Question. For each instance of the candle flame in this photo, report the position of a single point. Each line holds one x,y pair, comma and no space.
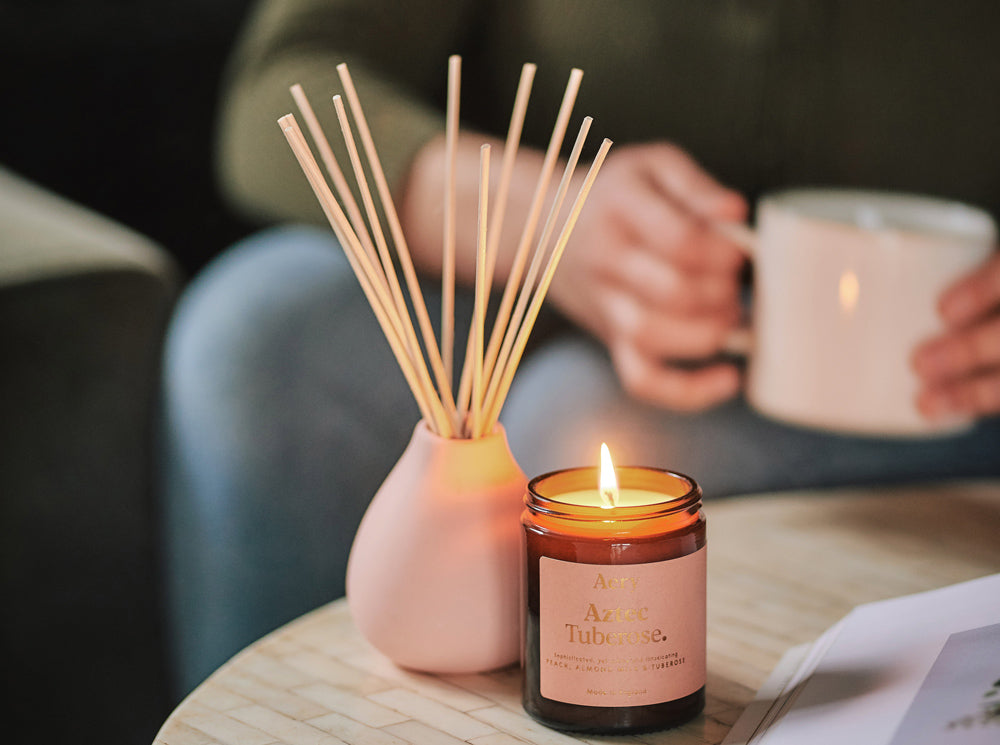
609,482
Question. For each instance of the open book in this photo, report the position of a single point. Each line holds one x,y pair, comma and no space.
916,670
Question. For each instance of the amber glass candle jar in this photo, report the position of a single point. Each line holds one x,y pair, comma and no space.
614,628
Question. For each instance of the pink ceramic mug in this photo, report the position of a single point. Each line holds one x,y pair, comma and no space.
846,285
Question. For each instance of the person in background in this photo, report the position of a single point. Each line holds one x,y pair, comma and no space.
284,408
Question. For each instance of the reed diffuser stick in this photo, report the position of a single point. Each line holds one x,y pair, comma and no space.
543,287
331,208
499,208
373,220
498,211
482,293
402,249
531,224
343,190
417,377
333,168
541,250
448,254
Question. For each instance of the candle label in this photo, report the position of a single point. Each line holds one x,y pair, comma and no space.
624,634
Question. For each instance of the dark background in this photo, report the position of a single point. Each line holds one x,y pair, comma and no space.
112,103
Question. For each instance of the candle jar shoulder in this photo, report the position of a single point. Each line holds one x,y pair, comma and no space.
637,543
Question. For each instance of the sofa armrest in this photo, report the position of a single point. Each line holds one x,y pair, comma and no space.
43,236
83,307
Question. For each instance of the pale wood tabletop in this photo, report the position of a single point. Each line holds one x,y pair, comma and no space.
782,568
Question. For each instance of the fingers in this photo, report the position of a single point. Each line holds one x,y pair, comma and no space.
667,229
660,384
649,277
664,334
659,199
973,296
679,177
960,352
642,340
961,371
977,395
656,282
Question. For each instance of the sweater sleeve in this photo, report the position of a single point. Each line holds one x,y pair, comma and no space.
396,52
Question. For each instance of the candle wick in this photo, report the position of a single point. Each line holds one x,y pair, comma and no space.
609,496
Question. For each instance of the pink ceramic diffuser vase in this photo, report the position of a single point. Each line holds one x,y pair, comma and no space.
433,579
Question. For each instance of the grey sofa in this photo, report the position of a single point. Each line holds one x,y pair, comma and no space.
83,307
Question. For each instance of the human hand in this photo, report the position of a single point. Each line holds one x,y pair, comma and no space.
646,274
960,368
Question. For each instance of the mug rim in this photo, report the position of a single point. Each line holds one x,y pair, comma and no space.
926,215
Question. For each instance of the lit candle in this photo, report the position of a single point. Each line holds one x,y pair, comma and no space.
615,599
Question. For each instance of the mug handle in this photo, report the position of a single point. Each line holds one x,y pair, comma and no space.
742,235
740,340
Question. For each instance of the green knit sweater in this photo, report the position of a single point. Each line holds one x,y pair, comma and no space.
899,94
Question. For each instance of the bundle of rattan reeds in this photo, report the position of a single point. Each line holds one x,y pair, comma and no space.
489,366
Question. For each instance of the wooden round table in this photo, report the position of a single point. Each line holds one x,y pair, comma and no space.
782,568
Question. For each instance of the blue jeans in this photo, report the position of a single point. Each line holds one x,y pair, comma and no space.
284,410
